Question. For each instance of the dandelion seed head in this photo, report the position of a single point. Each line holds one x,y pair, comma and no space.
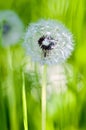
11,27
48,42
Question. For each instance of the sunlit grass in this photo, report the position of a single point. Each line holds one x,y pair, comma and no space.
65,111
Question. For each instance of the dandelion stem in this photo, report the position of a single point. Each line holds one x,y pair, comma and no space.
11,92
44,98
24,104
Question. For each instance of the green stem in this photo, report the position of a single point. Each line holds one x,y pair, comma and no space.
44,98
11,92
24,104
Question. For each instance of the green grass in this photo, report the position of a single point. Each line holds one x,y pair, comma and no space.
68,109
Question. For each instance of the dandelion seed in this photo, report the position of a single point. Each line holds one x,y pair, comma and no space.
48,42
11,28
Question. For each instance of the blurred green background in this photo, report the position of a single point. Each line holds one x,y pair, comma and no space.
65,111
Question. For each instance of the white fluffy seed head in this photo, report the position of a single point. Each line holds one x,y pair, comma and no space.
48,42
11,28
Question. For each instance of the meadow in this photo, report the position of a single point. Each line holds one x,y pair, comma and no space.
21,79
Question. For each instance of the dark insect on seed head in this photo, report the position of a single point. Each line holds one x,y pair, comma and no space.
41,40
45,48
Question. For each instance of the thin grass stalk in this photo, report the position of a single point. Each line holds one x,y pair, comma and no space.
24,104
